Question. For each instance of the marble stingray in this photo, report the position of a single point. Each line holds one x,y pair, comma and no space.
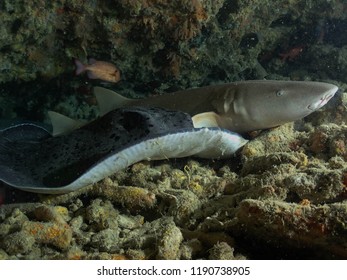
200,122
33,160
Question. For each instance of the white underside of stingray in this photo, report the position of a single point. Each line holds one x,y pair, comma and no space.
203,142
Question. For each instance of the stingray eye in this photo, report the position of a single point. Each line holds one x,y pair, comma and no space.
280,92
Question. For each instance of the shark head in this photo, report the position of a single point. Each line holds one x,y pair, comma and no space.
264,104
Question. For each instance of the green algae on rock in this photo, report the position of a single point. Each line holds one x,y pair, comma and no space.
160,46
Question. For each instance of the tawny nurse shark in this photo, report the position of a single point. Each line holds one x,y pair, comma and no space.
201,122
239,107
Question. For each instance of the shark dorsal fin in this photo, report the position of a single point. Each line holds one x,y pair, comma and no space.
109,100
62,124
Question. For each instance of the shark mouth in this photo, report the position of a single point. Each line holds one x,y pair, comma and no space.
321,102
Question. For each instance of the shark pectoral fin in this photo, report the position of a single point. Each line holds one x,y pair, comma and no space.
206,119
211,119
63,124
109,100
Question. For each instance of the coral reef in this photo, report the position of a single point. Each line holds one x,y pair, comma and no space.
282,196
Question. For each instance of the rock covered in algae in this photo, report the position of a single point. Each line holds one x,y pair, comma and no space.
322,227
222,251
23,235
160,46
18,243
170,242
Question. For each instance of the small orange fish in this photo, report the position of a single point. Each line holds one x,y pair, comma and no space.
292,53
101,70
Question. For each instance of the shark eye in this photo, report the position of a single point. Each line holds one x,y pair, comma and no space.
280,92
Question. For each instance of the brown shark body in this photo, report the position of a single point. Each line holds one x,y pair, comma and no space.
239,107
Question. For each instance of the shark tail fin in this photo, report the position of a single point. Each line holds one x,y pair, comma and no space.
62,124
109,100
